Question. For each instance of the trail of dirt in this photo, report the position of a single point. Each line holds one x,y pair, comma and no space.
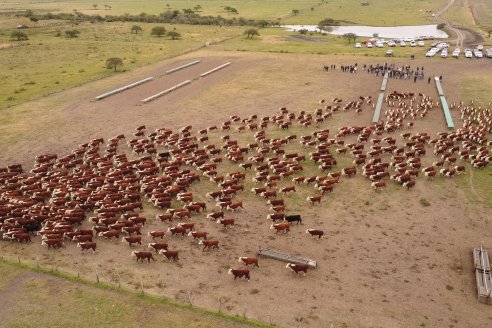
8,294
459,34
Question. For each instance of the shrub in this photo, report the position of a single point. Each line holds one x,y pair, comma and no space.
19,36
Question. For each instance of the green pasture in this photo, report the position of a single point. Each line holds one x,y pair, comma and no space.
378,12
482,10
47,63
34,298
278,40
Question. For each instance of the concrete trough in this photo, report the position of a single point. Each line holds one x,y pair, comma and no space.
124,88
215,69
165,92
277,255
183,67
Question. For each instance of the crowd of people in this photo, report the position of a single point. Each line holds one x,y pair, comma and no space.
404,72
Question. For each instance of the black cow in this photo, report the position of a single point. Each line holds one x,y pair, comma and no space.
293,218
32,227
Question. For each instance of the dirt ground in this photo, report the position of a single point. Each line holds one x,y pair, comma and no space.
386,259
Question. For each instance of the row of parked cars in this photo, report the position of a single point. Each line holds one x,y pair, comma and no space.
378,43
469,53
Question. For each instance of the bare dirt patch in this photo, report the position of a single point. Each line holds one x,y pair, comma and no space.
386,260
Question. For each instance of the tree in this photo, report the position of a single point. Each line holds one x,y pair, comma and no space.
234,11
350,36
95,6
136,29
114,62
188,11
295,12
197,8
158,31
173,35
250,33
20,36
327,24
34,20
303,31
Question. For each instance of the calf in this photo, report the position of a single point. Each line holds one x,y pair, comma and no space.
239,273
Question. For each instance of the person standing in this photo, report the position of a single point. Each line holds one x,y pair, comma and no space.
429,80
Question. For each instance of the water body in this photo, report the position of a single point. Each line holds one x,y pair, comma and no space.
383,31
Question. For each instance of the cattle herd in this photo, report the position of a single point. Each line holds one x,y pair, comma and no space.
97,192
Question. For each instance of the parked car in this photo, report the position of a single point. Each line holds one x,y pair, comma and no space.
389,53
413,44
444,54
477,53
403,44
421,44
379,44
480,47
488,53
456,52
369,44
468,53
358,45
391,44
430,53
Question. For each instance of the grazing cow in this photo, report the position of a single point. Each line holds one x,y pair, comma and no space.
158,246
132,240
171,255
314,199
239,273
284,227
226,222
315,233
87,245
57,242
249,261
141,255
198,234
378,185
297,267
156,234
293,218
177,230
209,244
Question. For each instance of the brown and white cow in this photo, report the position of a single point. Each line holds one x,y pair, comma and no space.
249,261
87,245
141,255
158,246
209,244
239,273
171,255
280,227
177,231
226,222
156,234
198,234
315,233
297,267
314,199
132,240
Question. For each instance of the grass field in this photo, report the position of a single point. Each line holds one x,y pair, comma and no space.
460,14
379,12
280,41
37,299
46,63
482,10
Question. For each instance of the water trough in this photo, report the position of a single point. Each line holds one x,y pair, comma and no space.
126,87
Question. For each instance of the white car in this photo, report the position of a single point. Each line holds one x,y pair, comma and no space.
478,53
369,44
403,44
468,54
379,44
413,44
444,54
391,44
456,52
358,45
421,44
430,53
480,47
488,53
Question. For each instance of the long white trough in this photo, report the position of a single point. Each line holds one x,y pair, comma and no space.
182,66
160,94
126,87
215,69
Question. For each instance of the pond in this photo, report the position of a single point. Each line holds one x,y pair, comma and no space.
398,32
